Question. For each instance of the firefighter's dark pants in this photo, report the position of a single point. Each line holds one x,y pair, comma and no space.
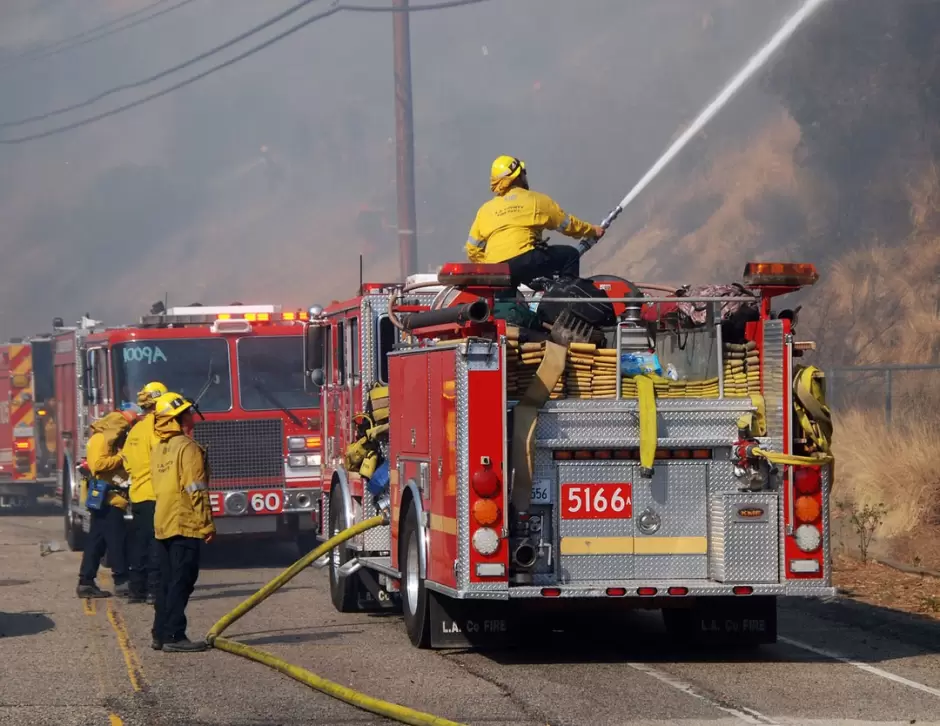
145,557
179,568
544,261
107,534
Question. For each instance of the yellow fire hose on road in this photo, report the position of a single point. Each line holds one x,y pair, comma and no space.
390,710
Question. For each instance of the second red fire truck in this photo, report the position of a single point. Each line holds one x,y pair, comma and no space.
673,456
243,364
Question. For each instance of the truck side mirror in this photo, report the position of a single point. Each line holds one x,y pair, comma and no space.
314,337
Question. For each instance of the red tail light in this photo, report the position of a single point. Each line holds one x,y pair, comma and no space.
485,482
551,592
678,591
807,479
743,590
803,549
616,591
646,591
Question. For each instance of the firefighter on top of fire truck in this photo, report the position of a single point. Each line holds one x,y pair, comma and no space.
508,228
183,519
106,501
144,559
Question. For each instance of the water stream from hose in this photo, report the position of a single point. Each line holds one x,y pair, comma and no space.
756,62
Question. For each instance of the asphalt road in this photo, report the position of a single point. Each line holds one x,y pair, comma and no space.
63,662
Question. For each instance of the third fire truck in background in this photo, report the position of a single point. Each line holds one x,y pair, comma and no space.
243,364
27,421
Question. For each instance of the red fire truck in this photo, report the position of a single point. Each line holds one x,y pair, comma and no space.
701,490
27,421
243,364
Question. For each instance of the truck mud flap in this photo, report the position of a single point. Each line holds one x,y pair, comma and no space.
471,624
373,595
726,621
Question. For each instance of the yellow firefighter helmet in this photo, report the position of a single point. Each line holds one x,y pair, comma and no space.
171,405
504,170
150,393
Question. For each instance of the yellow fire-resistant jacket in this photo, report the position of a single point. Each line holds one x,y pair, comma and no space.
511,225
104,457
136,456
180,482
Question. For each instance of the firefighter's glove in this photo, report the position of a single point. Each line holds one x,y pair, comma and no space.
355,453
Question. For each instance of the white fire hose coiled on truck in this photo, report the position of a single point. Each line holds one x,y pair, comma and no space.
393,711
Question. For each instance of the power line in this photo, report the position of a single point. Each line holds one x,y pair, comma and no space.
80,39
162,74
336,8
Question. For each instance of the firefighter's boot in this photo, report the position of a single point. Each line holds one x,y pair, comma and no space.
184,645
90,589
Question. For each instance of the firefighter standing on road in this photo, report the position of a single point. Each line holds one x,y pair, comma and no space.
508,228
107,533
144,560
182,520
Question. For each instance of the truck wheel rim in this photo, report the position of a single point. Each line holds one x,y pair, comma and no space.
411,569
335,554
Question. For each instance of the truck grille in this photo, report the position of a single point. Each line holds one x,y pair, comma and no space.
243,454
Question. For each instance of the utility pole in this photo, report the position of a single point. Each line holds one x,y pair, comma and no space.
405,142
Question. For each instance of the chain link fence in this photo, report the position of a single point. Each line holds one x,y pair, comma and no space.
901,390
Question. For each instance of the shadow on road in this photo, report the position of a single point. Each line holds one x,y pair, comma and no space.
16,624
42,508
297,637
243,592
641,636
240,554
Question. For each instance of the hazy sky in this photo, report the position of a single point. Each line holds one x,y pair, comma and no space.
176,197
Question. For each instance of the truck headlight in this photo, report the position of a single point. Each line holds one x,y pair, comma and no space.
295,460
296,443
313,460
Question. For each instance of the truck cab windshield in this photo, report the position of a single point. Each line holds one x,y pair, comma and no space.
271,374
185,366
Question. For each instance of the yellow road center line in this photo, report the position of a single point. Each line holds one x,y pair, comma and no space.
115,720
135,671
88,606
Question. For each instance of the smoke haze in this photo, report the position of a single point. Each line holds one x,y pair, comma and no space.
265,181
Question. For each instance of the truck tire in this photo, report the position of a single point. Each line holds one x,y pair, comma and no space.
74,536
344,592
414,594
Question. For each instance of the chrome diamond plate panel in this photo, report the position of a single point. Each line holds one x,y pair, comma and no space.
827,544
678,493
744,549
773,377
368,319
696,422
377,539
461,391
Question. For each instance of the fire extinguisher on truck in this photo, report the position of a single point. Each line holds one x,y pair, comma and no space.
603,444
